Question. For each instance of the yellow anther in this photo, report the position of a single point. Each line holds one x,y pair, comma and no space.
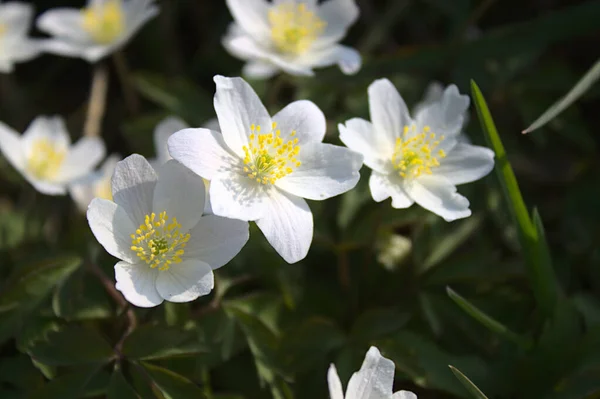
412,154
294,27
45,159
104,21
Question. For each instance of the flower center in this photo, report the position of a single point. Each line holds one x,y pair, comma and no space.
417,155
268,157
45,159
294,27
158,242
104,21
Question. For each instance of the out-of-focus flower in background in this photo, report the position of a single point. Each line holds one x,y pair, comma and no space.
97,30
375,379
95,185
15,45
261,168
291,36
418,160
155,226
45,157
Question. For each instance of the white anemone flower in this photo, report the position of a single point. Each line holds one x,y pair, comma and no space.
154,225
294,36
165,129
97,30
15,45
417,160
261,168
374,380
95,185
45,157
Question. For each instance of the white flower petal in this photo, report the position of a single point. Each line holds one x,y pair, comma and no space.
133,187
251,16
389,113
112,227
162,132
238,107
433,93
335,385
236,196
305,119
185,281
137,13
404,395
288,225
137,283
339,16
203,151
46,187
374,380
52,129
180,192
216,240
258,69
466,163
16,17
383,186
11,147
446,116
63,23
82,157
439,196
327,170
63,48
348,59
23,49
359,135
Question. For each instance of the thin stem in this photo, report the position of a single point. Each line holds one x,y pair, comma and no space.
131,98
97,101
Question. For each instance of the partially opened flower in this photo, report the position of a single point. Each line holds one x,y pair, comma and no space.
260,168
294,36
417,160
94,185
155,226
374,380
15,45
97,30
45,157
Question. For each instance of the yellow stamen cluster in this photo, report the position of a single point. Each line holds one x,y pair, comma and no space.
268,157
294,27
45,159
417,154
104,21
158,242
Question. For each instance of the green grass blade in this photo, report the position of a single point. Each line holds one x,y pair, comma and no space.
468,384
541,274
577,91
487,321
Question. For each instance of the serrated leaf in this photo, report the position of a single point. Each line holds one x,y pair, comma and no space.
468,384
155,342
173,385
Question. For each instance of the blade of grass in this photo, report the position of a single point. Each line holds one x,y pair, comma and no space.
468,384
491,324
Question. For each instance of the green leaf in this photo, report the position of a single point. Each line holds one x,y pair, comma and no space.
472,388
80,297
541,274
66,386
72,345
173,385
490,323
577,91
155,342
119,388
377,323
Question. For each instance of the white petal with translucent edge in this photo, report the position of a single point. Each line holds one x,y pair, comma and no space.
236,196
63,23
389,113
466,163
51,128
335,385
162,132
203,151
112,227
238,107
185,281
304,118
383,186
137,283
359,135
404,395
180,192
11,147
288,225
438,195
45,187
82,157
16,16
445,116
347,58
216,240
258,69
339,15
326,170
374,380
133,187
251,15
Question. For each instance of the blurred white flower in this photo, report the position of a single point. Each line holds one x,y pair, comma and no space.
168,249
294,36
418,160
162,132
260,168
95,185
15,45
45,157
97,30
375,379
